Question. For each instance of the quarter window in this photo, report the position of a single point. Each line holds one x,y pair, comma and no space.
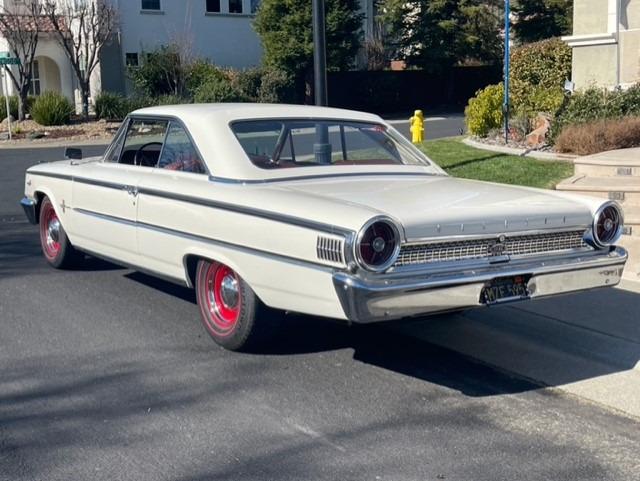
179,153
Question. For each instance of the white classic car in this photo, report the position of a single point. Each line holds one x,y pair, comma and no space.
328,212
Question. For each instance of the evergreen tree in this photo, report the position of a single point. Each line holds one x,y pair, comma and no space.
435,34
541,19
285,28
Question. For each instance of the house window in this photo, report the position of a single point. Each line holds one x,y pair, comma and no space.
235,6
35,79
131,59
213,6
254,5
150,4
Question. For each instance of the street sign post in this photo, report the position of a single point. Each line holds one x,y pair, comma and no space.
507,58
5,60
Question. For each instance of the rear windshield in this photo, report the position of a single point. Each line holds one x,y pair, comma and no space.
286,143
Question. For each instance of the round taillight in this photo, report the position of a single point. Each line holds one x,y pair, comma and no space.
378,245
607,224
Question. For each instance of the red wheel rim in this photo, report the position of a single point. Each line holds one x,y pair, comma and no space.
50,231
222,298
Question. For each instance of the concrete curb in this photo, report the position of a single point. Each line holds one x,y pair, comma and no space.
47,144
520,152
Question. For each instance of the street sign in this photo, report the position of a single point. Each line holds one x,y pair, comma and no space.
5,54
9,61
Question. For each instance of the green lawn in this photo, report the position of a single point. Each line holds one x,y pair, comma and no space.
460,160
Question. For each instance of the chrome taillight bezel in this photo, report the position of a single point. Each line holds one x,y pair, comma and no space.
593,238
396,250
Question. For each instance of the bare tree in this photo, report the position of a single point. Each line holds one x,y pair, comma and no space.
82,28
20,26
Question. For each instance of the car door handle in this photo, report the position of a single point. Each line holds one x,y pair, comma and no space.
130,190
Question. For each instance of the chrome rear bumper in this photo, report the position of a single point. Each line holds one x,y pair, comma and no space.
424,292
29,206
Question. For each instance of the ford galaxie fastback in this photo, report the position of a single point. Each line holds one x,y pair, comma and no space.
321,211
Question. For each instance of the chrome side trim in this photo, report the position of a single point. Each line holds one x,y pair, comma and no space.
50,174
199,238
144,270
29,206
227,180
264,214
99,183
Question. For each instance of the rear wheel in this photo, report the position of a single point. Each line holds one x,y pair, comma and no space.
56,247
231,312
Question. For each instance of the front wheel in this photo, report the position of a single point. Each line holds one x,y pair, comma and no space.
56,247
231,312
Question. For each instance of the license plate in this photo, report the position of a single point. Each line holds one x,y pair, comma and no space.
504,289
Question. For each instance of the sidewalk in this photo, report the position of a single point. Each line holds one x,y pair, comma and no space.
586,344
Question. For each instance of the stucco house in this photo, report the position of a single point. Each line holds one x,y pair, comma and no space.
219,30
605,42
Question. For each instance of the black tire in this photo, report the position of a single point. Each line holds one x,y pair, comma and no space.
56,248
239,322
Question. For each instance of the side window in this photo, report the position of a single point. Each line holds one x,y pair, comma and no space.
179,153
113,154
143,142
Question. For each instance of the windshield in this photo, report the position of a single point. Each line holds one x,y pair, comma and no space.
286,143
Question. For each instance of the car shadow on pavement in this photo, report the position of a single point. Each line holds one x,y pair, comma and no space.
480,352
378,345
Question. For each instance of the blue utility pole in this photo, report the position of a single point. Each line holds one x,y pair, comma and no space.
507,58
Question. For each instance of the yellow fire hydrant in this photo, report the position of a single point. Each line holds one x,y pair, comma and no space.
417,127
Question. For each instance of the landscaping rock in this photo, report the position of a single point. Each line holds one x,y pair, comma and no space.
538,137
36,135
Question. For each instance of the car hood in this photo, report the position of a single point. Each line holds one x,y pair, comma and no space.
439,206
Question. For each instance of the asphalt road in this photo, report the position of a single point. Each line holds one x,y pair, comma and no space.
107,374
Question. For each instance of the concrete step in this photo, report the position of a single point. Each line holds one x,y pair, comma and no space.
632,269
625,190
618,163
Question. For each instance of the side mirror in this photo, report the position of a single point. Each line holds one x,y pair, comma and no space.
73,153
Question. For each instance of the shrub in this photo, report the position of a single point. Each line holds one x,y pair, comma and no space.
276,86
597,104
163,71
544,65
52,108
138,102
248,83
110,106
484,111
13,107
599,136
217,90
170,100
200,72
539,99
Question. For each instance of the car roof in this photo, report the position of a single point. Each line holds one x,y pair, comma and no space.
238,111
209,127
